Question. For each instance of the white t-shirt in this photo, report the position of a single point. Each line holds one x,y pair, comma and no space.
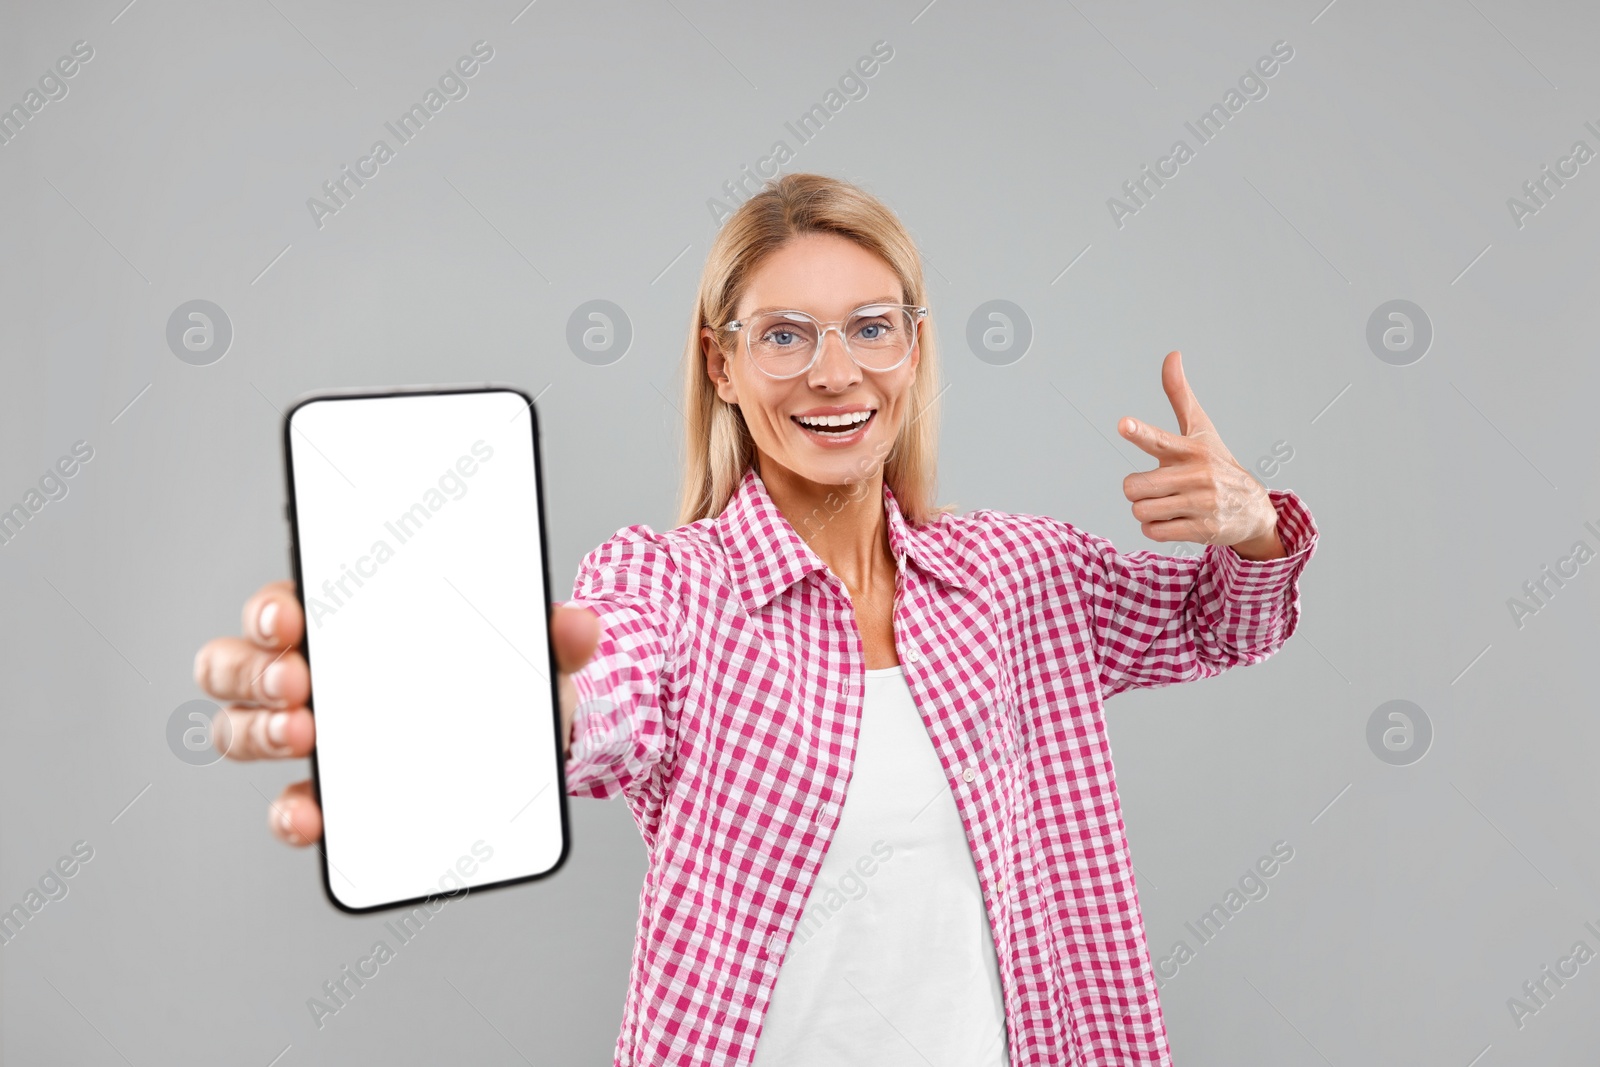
893,961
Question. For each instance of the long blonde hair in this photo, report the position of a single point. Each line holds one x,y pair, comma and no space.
718,448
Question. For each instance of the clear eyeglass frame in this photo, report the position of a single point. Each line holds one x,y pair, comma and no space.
917,313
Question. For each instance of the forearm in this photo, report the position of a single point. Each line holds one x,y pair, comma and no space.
620,728
1162,619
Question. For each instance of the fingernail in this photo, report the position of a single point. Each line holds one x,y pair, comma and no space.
286,824
272,680
277,726
267,621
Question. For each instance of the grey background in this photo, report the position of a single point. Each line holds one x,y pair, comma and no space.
577,169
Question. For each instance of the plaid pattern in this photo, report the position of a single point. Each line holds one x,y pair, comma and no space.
723,704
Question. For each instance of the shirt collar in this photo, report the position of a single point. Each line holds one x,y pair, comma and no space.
766,555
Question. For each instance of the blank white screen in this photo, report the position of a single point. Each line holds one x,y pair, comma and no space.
427,638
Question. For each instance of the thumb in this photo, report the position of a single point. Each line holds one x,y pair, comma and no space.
1191,417
574,632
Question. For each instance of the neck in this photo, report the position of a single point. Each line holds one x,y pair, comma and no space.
844,524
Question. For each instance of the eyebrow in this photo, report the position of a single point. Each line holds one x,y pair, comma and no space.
864,303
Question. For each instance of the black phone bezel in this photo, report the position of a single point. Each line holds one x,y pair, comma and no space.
291,511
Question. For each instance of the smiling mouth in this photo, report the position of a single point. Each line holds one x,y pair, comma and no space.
835,425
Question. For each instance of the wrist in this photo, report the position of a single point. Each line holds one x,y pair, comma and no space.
1262,546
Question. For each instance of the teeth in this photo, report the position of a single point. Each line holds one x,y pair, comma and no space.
850,419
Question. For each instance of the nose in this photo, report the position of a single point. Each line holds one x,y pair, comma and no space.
834,370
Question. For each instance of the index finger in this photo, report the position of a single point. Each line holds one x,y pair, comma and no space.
1154,440
272,618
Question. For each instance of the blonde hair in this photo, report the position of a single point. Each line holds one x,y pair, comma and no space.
718,448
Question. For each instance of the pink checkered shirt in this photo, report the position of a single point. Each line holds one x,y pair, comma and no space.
723,704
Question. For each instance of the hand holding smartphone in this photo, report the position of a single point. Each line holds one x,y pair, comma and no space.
420,563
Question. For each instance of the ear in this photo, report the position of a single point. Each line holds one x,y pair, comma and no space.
717,366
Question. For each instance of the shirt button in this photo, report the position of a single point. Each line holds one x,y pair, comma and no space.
968,775
913,656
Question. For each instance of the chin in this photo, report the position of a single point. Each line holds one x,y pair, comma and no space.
844,468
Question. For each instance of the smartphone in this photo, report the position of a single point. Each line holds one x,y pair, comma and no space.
418,549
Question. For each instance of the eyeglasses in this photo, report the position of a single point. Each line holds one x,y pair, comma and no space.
786,344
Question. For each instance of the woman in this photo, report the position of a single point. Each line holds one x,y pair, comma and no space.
863,737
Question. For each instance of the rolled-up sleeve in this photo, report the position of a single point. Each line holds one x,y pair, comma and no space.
623,730
1160,619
